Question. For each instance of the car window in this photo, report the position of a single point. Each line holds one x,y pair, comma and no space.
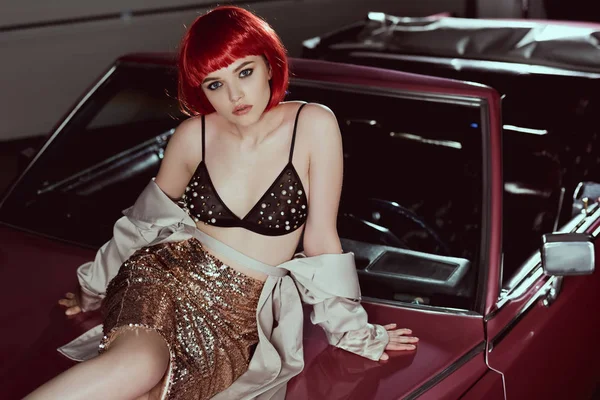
411,205
100,160
412,193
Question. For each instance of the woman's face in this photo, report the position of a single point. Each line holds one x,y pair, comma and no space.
240,92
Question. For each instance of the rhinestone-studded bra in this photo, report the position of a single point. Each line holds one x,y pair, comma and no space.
282,209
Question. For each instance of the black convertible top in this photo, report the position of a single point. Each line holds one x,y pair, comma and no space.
558,45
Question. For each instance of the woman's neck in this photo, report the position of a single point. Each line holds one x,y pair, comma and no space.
252,135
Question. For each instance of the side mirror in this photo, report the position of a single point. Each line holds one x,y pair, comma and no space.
567,254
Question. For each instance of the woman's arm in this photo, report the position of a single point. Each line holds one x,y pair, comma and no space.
321,236
325,180
181,157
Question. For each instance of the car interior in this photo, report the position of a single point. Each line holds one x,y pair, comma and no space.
548,82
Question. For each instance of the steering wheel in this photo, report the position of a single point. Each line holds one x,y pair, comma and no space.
394,225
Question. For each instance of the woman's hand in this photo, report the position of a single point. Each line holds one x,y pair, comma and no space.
398,340
71,302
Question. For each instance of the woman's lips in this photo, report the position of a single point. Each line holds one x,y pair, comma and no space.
242,110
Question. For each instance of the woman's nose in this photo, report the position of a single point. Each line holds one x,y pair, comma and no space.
235,93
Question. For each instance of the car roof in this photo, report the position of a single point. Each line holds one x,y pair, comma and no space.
552,46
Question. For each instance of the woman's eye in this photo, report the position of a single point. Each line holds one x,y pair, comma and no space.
214,86
246,72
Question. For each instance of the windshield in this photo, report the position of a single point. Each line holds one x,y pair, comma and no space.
100,161
411,206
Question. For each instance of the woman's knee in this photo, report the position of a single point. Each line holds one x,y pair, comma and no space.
139,354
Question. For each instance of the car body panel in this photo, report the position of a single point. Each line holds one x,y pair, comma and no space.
489,387
445,339
49,269
37,272
551,342
555,340
459,381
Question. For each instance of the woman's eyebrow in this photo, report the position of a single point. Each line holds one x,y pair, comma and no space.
214,78
242,65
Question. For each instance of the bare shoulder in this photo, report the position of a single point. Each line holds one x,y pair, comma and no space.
319,111
319,124
188,132
186,142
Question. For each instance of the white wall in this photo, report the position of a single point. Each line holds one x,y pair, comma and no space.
45,68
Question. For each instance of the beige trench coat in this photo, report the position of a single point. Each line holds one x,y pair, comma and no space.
328,282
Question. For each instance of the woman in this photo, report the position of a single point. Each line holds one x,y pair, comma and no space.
204,300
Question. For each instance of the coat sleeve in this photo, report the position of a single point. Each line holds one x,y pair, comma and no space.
94,276
345,324
330,284
152,218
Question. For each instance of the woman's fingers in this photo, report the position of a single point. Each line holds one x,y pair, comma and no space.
393,328
384,357
70,301
400,346
73,310
398,339
403,339
67,302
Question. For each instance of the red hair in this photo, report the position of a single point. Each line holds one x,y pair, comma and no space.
214,41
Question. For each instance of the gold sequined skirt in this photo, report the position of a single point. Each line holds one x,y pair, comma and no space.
204,310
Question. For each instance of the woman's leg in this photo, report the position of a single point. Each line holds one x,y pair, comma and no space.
133,365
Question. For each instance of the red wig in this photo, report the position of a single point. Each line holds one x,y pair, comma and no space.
214,41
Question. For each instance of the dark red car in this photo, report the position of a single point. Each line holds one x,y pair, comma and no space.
423,208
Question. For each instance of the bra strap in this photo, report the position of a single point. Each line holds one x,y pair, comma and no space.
294,133
203,141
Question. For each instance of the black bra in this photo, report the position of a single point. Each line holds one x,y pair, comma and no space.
281,210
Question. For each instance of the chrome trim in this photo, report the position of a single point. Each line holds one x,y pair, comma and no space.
553,291
534,260
451,144
479,348
515,188
523,281
521,129
422,307
596,232
486,207
57,131
527,269
542,292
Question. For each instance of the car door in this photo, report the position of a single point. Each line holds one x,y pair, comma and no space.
541,331
419,153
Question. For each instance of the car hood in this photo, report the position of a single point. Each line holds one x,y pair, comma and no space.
446,341
37,271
